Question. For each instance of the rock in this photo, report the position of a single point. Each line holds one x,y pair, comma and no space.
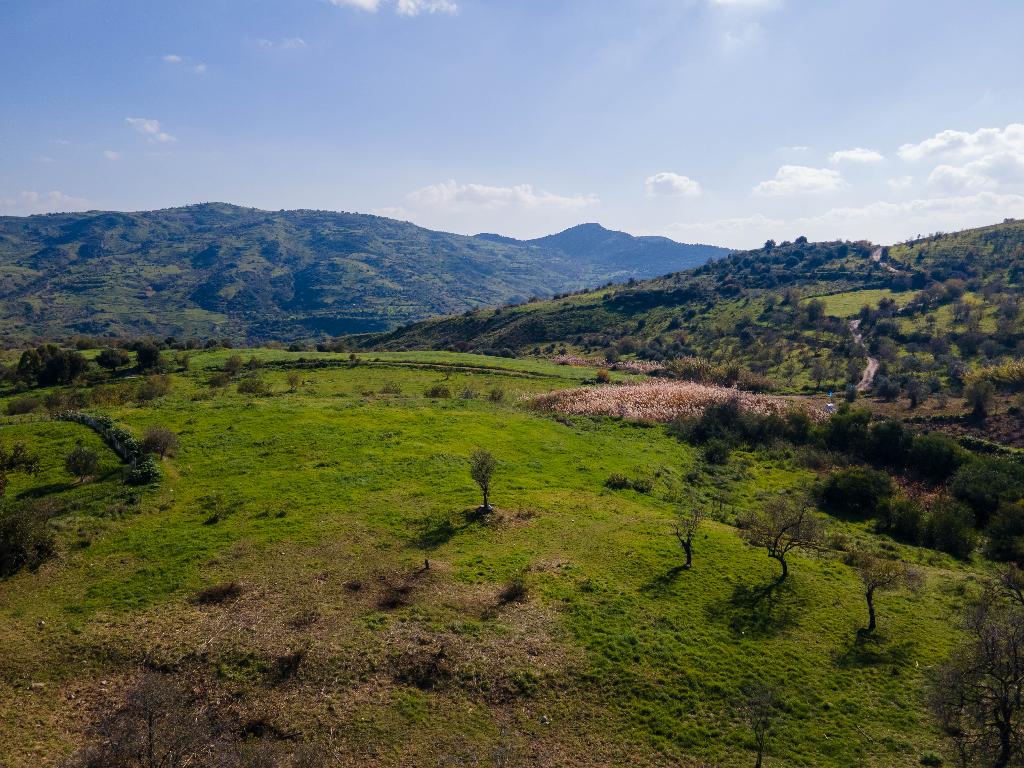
37,686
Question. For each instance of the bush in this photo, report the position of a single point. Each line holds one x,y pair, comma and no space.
147,356
716,451
936,457
111,359
438,392
22,405
985,483
847,430
889,443
496,395
143,472
391,388
902,518
254,385
602,376
950,528
26,539
1006,533
153,387
619,482
858,492
159,440
82,462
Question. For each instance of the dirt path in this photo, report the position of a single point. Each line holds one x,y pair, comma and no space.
876,256
869,373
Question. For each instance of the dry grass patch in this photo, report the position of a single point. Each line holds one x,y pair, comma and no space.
657,401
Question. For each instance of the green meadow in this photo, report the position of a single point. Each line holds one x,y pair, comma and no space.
345,513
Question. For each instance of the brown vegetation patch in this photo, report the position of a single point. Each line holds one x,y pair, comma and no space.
658,401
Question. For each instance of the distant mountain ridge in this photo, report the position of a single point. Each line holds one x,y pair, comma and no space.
220,269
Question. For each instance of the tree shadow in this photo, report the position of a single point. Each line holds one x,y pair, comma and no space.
662,583
41,491
871,649
760,610
435,532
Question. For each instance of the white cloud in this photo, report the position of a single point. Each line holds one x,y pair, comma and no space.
364,5
150,128
991,171
800,179
964,145
173,58
110,154
795,148
26,203
856,155
668,184
882,222
199,69
900,182
450,195
742,38
402,7
751,4
285,44
46,159
416,7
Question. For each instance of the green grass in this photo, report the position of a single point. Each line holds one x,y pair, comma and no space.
630,659
849,304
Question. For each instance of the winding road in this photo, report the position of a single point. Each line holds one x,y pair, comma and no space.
868,378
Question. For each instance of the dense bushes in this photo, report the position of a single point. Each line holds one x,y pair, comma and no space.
856,492
48,365
26,539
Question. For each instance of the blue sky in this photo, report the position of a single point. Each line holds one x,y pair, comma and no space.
723,121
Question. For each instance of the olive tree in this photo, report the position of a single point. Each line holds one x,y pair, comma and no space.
880,574
782,525
17,458
481,468
978,693
160,440
687,523
82,462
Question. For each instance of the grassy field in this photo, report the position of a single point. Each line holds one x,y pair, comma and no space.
850,303
324,504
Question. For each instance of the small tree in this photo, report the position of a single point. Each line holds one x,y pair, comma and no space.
880,574
148,356
783,525
160,440
16,459
760,710
233,365
688,522
82,462
979,394
294,380
978,693
481,468
112,359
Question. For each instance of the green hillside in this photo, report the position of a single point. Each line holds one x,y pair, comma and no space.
309,581
931,311
218,270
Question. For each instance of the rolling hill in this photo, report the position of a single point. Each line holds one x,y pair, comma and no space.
221,270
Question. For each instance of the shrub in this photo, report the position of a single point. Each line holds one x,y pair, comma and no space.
936,457
219,380
294,380
22,405
26,539
82,462
620,482
847,430
391,388
514,592
985,483
438,392
902,518
254,385
111,359
858,492
143,472
889,443
233,365
159,440
950,528
1006,533
496,395
602,376
153,387
716,451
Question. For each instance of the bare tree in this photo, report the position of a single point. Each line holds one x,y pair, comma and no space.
880,574
1011,582
978,693
760,710
481,468
294,380
688,522
784,524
